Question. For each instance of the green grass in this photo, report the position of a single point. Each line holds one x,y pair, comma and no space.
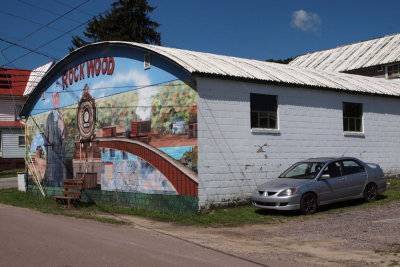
10,173
233,216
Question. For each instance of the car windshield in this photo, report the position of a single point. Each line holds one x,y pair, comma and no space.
303,170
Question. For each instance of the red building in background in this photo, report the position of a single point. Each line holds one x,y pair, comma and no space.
13,83
15,87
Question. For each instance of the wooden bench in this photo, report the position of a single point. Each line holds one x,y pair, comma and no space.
72,192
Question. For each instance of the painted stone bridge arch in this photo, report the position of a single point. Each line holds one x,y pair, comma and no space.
182,178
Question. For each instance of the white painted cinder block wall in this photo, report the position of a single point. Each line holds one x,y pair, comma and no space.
233,160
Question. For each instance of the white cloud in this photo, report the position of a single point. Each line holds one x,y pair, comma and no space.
132,78
305,21
146,98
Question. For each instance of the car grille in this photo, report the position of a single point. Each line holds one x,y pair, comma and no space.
270,204
266,204
268,193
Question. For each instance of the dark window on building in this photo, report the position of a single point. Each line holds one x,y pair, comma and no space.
112,153
5,81
21,140
18,109
264,111
124,155
393,71
352,117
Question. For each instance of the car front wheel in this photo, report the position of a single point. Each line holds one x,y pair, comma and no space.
308,204
370,192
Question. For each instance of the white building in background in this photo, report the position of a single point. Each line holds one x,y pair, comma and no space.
15,86
379,57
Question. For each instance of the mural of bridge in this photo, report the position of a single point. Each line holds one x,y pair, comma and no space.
181,177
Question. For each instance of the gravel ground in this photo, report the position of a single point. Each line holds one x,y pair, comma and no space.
362,229
358,237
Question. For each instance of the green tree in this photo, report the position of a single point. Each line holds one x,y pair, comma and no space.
128,20
281,61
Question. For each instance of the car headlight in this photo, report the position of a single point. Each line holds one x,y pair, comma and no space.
287,192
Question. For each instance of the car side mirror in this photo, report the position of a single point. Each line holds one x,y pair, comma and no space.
325,176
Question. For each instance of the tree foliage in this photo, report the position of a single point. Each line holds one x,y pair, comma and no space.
281,61
128,20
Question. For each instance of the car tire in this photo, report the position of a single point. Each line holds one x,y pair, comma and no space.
370,192
308,204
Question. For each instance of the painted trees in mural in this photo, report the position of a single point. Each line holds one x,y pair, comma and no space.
174,109
130,103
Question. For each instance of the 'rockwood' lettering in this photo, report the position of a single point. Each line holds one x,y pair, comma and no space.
94,67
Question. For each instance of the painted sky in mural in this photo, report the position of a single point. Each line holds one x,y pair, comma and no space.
127,75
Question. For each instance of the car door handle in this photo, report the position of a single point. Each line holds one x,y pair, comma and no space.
364,174
341,179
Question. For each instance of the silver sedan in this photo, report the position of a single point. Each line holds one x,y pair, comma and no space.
318,181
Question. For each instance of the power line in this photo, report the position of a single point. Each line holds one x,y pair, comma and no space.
31,43
47,24
26,48
78,10
6,57
119,107
27,20
48,11
48,42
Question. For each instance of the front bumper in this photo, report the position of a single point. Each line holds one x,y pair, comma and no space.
275,202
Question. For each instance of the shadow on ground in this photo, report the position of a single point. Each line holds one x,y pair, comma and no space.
324,208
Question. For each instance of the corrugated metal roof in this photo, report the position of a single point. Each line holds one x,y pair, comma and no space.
13,81
225,66
354,56
35,77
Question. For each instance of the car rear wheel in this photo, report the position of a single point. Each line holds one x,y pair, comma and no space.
308,204
370,192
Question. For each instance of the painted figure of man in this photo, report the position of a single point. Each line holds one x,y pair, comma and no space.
55,144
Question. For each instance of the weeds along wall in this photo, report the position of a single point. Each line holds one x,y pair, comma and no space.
128,130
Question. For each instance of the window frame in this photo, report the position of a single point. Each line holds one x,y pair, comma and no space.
361,118
18,109
19,140
393,71
267,114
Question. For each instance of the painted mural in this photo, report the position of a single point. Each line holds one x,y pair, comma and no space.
111,123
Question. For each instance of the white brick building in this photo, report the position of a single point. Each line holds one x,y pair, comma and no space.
234,158
255,118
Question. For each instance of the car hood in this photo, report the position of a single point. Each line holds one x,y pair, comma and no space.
282,183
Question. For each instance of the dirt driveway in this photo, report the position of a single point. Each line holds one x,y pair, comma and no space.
365,237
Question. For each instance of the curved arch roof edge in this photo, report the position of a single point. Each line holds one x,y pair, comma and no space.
249,69
233,67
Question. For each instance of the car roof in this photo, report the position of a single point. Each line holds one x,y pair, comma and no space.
326,159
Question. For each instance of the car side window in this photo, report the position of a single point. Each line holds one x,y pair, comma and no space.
351,167
333,169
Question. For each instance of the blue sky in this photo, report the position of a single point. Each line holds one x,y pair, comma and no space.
257,29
